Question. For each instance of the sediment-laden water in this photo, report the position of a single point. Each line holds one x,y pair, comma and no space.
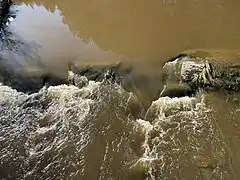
106,120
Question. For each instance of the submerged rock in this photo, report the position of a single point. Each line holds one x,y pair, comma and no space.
190,73
115,73
30,82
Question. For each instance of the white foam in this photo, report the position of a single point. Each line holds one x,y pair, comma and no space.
146,124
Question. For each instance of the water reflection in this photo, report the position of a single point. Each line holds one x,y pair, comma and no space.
154,29
55,44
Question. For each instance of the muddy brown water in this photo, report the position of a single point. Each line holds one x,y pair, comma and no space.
142,34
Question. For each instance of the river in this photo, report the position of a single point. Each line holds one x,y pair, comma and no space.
101,131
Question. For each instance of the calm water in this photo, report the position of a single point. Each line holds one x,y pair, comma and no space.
200,142
152,30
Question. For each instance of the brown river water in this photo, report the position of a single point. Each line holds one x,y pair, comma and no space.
91,134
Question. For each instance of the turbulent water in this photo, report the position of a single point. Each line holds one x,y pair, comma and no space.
98,132
64,132
101,130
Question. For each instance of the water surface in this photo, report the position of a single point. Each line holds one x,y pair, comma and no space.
184,138
152,29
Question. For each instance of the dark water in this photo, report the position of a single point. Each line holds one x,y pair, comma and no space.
101,131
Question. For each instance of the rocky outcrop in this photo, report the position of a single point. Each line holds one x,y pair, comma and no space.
187,74
143,85
79,76
113,72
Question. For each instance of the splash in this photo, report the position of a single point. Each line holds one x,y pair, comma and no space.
182,140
